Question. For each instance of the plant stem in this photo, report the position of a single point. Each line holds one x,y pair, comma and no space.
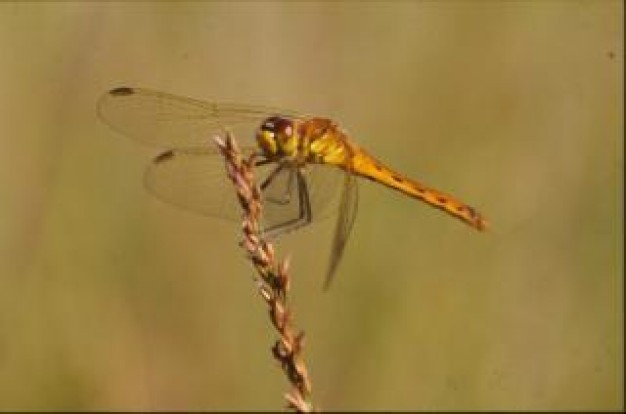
273,278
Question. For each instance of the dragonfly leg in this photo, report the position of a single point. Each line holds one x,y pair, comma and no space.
304,211
271,176
262,162
282,199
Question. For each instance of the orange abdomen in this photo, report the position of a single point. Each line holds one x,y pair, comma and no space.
364,165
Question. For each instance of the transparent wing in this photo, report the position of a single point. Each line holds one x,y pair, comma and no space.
347,213
161,119
195,179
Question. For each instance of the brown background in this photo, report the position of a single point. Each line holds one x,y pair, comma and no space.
110,299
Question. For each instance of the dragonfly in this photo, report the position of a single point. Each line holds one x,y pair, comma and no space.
307,166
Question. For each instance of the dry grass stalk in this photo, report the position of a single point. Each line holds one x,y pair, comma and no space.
273,276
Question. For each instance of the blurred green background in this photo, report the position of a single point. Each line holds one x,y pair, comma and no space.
111,299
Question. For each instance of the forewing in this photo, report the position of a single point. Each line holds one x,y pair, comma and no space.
161,119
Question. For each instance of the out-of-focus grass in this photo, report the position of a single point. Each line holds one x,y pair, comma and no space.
112,300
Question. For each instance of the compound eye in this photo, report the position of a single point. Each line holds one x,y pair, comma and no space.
277,126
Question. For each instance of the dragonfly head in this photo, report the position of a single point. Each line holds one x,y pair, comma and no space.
277,137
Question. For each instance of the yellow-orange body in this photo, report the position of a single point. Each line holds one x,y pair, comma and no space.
320,140
287,143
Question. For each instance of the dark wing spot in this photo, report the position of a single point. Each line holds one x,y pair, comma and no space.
460,208
442,200
123,91
165,156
